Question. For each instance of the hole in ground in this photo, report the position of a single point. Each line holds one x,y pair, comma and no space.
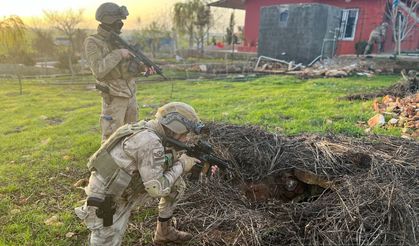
290,185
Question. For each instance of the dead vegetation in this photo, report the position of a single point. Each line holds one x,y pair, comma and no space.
398,107
405,87
306,190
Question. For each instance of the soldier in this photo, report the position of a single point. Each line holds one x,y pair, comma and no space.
134,164
377,36
114,69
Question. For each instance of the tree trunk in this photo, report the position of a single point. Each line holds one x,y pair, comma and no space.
70,64
70,60
191,39
399,38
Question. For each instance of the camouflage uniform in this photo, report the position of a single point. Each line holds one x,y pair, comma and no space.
377,36
133,165
154,172
114,74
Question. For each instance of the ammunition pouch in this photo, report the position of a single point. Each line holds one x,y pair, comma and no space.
118,182
103,164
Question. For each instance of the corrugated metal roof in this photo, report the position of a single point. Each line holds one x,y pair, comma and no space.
231,4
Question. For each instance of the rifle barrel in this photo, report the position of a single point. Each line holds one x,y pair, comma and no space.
138,55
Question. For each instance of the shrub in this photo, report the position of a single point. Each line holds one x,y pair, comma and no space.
360,47
63,60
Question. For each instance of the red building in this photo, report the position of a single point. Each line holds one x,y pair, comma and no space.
359,18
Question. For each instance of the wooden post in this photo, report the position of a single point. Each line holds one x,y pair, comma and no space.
20,83
226,62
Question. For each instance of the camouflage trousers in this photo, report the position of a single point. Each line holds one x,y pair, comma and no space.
375,38
113,235
116,112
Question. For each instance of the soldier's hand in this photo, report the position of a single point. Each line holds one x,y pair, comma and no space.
150,71
188,162
126,53
214,170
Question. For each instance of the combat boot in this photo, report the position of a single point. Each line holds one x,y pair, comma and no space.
166,233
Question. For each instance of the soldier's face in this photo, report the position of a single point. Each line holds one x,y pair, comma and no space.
117,26
181,137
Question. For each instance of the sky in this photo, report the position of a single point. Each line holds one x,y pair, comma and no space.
147,10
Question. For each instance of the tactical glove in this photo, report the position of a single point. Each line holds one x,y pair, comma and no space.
188,162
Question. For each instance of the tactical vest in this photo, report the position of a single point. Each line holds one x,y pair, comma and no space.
120,71
116,178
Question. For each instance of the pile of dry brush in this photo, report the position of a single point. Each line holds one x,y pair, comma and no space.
371,196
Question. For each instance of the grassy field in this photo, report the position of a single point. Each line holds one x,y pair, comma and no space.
48,133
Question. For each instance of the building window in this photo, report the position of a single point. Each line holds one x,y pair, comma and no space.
283,17
348,25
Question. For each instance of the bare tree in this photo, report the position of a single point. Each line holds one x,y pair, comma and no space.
66,22
193,18
153,33
43,42
403,18
230,30
203,23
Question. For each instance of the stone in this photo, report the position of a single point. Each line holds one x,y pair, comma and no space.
53,221
393,121
334,73
377,120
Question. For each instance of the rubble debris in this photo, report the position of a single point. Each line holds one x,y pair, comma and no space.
377,120
273,65
335,73
403,113
320,71
304,190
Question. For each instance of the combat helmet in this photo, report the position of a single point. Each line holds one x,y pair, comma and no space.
180,118
109,12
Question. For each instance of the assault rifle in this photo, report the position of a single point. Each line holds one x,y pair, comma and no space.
138,55
202,151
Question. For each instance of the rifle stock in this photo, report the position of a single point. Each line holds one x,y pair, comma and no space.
138,55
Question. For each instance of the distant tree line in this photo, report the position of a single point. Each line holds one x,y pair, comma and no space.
57,36
25,44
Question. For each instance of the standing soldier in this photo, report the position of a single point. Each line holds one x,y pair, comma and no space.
114,69
378,36
135,163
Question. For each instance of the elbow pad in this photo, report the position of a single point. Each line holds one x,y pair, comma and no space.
157,187
162,187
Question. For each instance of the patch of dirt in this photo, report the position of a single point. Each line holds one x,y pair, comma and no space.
54,121
17,129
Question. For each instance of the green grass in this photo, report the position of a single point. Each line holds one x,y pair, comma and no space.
48,133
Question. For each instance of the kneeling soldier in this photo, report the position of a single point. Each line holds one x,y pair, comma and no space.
136,163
